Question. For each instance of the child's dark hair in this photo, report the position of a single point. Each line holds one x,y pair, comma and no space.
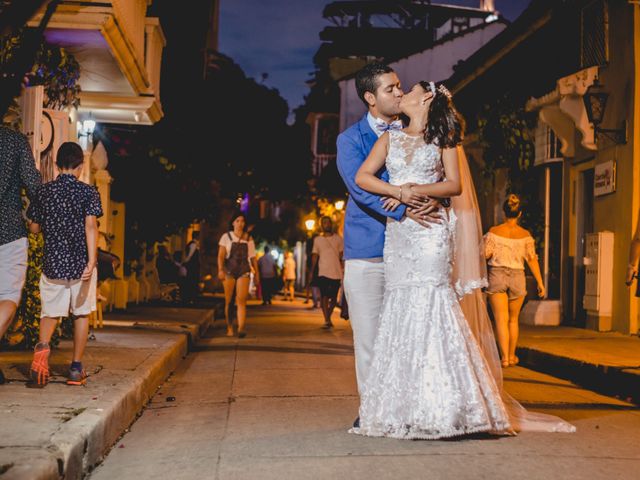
367,78
70,156
512,207
445,126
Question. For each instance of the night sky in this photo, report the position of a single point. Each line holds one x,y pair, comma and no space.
280,37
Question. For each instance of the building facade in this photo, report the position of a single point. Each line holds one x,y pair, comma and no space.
587,165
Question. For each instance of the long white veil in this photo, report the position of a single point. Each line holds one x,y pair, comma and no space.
469,277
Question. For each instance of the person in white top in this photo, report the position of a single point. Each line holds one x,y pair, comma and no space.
327,254
507,247
289,276
236,260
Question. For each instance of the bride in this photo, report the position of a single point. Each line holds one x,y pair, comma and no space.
435,371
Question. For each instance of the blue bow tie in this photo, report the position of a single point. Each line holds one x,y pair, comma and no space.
382,126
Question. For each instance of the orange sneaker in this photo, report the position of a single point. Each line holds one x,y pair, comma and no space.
39,373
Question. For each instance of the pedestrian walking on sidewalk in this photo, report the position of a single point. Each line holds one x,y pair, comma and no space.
289,276
66,211
507,247
17,170
236,259
327,254
192,264
312,290
268,273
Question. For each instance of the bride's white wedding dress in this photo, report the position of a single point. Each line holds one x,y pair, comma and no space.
429,378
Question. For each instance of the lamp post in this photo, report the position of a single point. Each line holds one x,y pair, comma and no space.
310,225
595,102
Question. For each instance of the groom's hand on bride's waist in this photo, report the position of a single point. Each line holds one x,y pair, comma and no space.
427,213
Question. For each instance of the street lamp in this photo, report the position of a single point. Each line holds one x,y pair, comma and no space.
339,205
310,225
89,126
595,101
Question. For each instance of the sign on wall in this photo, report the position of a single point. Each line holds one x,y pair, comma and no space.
604,180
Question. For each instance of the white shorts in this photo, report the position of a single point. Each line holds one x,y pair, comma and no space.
61,297
13,269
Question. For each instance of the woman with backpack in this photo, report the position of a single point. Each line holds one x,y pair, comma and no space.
236,261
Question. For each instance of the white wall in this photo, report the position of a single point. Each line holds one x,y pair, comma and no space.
435,64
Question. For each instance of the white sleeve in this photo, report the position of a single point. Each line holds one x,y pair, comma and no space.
530,250
316,247
224,242
489,245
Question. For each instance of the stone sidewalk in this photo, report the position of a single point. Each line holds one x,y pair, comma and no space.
606,362
62,431
278,403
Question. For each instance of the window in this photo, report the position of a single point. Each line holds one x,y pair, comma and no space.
594,34
547,145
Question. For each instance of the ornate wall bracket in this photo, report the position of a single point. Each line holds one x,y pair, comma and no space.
563,110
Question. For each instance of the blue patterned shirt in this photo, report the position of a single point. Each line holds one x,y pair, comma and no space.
60,209
17,170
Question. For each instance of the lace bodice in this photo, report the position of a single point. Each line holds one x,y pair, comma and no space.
410,159
509,252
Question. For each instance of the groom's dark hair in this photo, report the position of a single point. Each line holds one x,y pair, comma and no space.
367,78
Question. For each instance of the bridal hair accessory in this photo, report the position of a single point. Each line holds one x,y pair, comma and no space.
445,91
432,87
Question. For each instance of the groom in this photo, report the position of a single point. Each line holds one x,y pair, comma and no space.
378,87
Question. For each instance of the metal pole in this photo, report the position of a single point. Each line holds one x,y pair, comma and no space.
547,221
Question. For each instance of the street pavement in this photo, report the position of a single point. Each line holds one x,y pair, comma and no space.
278,403
62,431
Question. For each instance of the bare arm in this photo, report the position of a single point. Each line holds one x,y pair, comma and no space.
535,270
222,255
91,231
314,262
366,176
634,256
192,250
256,270
451,186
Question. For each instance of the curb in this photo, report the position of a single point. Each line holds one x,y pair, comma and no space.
81,443
621,382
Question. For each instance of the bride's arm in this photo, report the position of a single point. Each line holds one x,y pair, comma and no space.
451,186
366,176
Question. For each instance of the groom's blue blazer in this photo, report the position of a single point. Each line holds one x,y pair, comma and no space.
365,220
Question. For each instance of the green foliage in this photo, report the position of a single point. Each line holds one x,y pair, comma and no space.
59,72
54,68
505,133
25,329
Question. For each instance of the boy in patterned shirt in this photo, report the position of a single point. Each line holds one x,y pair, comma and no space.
66,211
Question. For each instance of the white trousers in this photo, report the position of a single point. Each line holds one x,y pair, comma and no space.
364,288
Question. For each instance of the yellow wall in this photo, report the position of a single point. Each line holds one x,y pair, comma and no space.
634,130
617,212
